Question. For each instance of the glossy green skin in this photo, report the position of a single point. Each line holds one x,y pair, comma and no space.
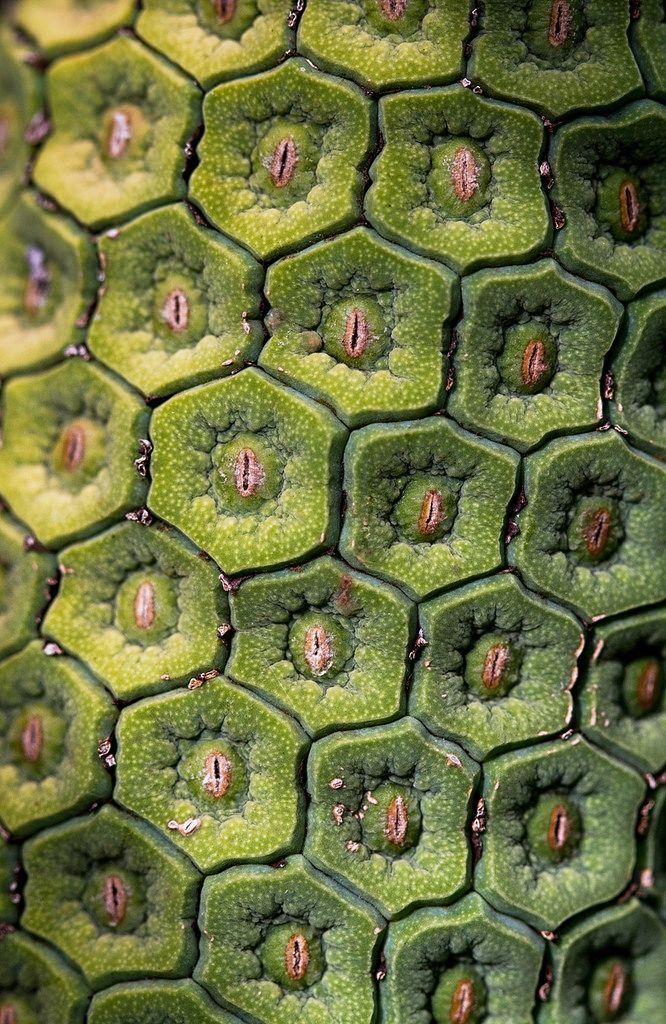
332,483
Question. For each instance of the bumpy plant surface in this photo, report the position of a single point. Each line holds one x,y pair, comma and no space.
333,512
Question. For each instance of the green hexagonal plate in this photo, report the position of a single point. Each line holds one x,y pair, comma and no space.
180,305
653,855
639,370
388,812
71,469
648,39
516,872
53,717
26,576
326,644
154,1002
530,353
281,157
20,89
582,64
114,897
498,667
360,325
353,38
594,526
48,272
37,985
117,144
255,466
391,471
244,906
218,39
68,25
427,173
220,759
592,160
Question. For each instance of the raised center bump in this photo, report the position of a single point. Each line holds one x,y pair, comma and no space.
115,900
534,363
296,956
38,284
248,473
283,163
462,1002
176,310
561,22
494,666
596,532
73,447
464,174
217,774
397,821
559,828
32,738
393,9
648,685
357,334
224,10
432,513
614,990
8,1014
630,209
144,605
119,134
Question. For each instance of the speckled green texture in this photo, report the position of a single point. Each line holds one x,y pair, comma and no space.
632,933
189,32
37,985
238,910
380,462
20,98
53,717
406,200
607,794
164,745
158,110
67,25
648,38
25,577
67,867
348,37
562,477
585,152
47,268
9,853
653,861
419,949
193,432
71,470
639,370
160,259
154,1002
544,642
244,123
593,69
98,602
404,300
435,774
543,301
606,717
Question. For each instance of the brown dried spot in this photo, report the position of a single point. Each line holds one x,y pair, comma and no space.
8,1014
494,666
176,310
225,10
357,334
648,686
144,605
614,990
318,650
394,10
115,899
248,473
4,136
397,821
73,447
343,598
38,284
217,774
119,133
283,163
464,174
561,22
296,957
596,531
630,209
559,828
534,363
32,739
432,513
463,1002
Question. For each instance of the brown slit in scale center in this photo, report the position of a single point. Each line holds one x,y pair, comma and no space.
73,447
217,774
144,605
394,10
614,989
597,531
38,284
8,1014
32,739
397,821
119,134
176,310
559,828
225,10
494,666
561,22
248,473
297,957
115,899
630,209
357,334
464,174
647,690
534,362
283,163
431,515
318,650
462,1002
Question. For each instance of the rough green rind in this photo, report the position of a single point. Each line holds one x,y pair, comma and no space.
639,369
76,715
92,613
9,864
45,988
154,1002
26,575
60,863
237,908
653,858
512,876
20,99
71,24
163,744
648,38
